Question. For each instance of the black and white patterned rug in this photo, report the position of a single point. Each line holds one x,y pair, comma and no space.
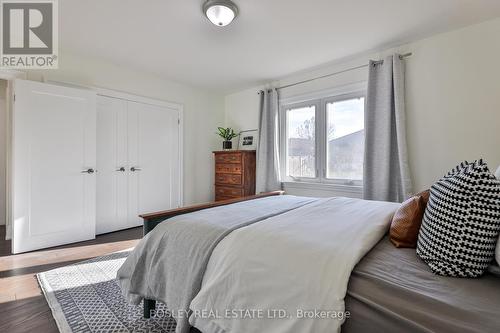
85,297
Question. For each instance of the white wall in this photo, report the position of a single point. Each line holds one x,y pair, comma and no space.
203,111
3,138
453,99
245,111
242,109
453,94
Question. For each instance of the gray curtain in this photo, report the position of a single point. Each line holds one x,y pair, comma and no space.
386,169
268,168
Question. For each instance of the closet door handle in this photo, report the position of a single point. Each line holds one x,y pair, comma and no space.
89,171
134,169
122,169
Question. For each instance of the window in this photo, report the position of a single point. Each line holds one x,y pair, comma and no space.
345,144
301,142
323,140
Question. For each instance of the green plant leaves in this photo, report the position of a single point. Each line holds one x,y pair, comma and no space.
226,133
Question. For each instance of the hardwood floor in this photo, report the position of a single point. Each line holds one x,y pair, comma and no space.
22,306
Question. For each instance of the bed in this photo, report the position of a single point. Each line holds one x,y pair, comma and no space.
392,290
286,253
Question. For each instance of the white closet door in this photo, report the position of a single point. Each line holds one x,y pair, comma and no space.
153,154
53,148
112,183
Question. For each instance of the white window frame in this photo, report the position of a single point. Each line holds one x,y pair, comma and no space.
319,100
284,135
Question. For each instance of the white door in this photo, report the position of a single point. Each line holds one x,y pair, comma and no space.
53,164
154,159
112,182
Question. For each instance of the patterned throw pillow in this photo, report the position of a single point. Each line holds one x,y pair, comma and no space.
461,222
494,267
497,251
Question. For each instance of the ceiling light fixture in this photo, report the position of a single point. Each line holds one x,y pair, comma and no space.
220,12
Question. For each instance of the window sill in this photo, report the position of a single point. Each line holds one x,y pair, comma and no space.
334,188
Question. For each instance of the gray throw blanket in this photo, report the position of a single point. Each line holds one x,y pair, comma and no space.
169,263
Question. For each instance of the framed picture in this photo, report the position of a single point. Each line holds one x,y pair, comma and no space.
248,140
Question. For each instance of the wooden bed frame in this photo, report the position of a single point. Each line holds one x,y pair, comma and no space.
151,220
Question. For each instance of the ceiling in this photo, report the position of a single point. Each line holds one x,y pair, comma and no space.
270,38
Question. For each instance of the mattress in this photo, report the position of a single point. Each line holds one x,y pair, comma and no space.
392,290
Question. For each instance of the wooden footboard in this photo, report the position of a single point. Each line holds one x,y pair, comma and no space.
151,220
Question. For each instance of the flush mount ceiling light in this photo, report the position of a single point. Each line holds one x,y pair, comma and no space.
220,12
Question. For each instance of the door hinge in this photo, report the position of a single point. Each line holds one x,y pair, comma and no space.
14,97
178,121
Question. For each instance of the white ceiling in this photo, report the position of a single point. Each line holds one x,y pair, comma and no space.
270,38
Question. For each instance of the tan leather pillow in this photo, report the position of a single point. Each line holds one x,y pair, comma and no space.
407,220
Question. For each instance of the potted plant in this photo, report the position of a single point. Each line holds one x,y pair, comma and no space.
227,134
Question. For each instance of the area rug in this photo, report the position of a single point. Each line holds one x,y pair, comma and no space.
85,297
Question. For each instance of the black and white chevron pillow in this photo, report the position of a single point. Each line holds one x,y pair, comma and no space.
461,223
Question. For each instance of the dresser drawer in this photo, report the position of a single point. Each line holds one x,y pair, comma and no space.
219,198
228,158
234,174
228,192
227,178
228,168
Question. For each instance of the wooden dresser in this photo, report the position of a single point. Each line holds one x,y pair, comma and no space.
234,174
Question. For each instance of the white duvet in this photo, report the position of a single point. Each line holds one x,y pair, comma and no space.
289,273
